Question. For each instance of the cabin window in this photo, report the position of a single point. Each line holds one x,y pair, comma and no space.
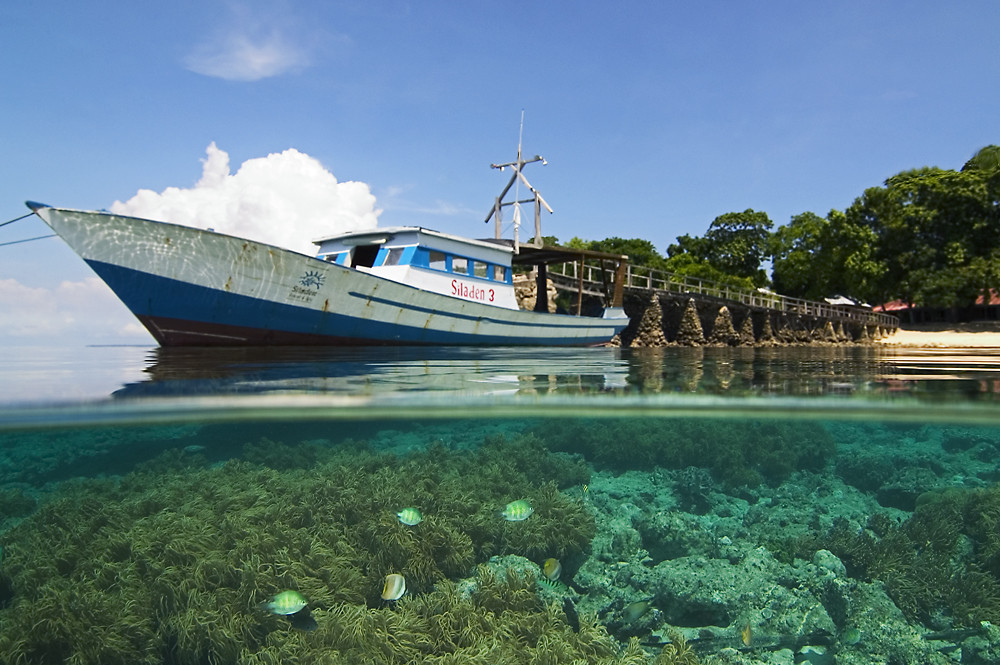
364,256
480,269
459,265
332,258
394,257
438,261
499,274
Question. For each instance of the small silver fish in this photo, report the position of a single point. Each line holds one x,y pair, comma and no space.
636,610
517,511
410,516
286,602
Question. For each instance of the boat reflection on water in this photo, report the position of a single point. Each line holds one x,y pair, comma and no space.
786,371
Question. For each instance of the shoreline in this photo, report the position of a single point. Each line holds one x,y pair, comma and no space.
975,334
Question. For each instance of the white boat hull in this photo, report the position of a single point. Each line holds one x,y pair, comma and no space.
191,287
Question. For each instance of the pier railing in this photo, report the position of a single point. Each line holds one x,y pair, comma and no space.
572,275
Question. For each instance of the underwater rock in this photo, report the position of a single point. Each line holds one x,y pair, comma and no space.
826,560
698,591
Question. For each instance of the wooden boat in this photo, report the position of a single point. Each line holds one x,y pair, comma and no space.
401,285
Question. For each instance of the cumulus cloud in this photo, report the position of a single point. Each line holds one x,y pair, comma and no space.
87,310
286,199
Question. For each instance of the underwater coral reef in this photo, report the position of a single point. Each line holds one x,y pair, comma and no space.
671,541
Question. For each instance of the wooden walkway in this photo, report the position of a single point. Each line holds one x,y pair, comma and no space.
570,277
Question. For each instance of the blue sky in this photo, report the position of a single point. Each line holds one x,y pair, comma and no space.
655,117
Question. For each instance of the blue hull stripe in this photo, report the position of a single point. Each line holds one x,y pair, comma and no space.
196,313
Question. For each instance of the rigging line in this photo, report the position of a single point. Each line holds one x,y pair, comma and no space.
18,242
18,219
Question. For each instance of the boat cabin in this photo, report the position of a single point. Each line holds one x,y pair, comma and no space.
477,270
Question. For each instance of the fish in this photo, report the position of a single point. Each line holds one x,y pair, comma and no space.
394,587
746,635
286,602
851,636
552,569
517,511
572,616
410,516
303,620
636,610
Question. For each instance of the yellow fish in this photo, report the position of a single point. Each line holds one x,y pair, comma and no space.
394,587
517,511
286,602
552,569
410,516
746,635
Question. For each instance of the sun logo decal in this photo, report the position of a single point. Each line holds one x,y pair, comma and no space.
312,279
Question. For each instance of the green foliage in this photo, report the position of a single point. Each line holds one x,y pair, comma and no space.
745,456
689,265
736,244
640,252
172,563
730,252
935,232
986,160
814,257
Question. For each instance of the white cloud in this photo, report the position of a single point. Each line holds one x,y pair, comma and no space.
256,39
243,57
286,199
87,311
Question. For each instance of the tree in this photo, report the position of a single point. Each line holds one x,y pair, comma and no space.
814,257
640,252
737,244
796,248
936,232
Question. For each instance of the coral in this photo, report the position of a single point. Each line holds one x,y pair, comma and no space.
678,652
940,565
745,456
172,562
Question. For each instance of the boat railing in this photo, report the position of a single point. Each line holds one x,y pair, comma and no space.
594,279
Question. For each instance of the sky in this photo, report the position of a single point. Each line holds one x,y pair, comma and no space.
283,120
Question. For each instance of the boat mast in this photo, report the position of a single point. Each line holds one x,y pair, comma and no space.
518,177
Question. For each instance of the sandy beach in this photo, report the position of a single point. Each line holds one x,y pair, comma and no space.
977,334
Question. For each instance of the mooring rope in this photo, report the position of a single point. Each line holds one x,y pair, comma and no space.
18,219
18,242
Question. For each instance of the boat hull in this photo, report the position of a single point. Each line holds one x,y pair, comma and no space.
191,287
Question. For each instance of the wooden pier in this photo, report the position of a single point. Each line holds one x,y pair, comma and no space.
691,311
666,308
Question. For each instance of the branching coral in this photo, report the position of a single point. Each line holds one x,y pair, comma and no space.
941,561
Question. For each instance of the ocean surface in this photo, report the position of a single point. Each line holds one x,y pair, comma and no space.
775,505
